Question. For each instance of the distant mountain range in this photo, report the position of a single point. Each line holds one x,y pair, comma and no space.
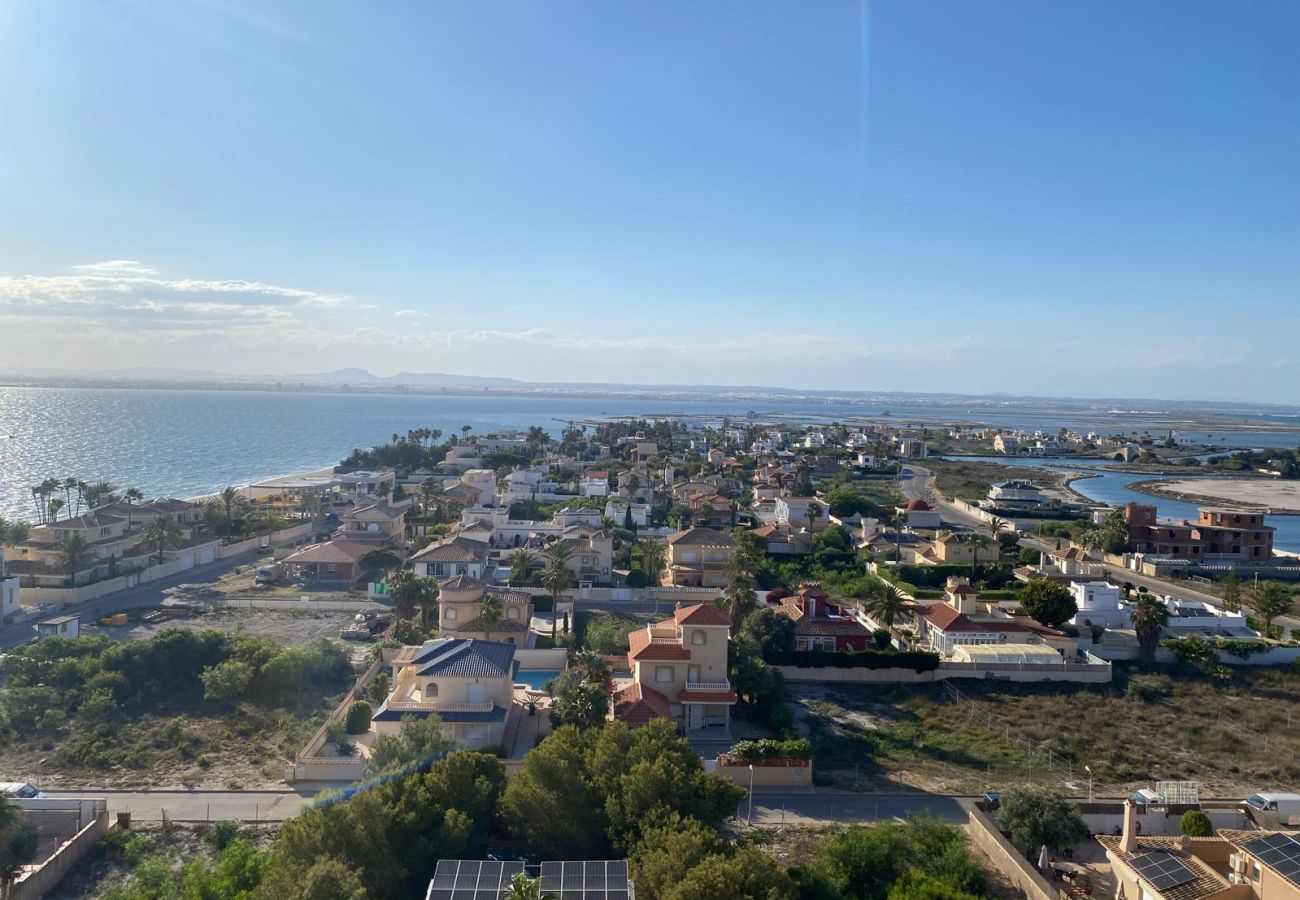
363,380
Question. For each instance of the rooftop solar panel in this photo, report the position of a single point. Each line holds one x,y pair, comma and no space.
1162,870
1280,852
568,880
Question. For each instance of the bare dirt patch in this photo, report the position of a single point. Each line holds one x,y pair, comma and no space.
1254,493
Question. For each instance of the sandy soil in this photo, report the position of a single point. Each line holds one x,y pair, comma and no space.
1251,492
293,629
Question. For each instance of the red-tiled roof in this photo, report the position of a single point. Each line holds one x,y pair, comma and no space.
946,618
688,695
701,614
962,589
917,506
329,552
636,705
640,647
849,627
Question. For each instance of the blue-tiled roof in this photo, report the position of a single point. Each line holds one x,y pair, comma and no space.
462,658
496,714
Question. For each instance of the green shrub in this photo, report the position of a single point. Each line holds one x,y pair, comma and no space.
222,834
1195,823
767,748
358,718
636,579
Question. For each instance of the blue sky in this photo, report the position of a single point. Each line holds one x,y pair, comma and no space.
1050,197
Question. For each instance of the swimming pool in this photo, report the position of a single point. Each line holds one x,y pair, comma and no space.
535,678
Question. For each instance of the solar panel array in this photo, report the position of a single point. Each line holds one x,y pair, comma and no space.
464,879
471,879
1280,852
586,880
1162,870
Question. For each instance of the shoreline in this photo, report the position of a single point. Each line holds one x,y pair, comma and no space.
1153,488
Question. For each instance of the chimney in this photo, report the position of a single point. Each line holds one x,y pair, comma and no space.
1128,840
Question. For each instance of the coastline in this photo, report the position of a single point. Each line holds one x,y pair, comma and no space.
243,488
1158,488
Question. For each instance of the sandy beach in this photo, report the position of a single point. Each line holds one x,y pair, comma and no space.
1253,493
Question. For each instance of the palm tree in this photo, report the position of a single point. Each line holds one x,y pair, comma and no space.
229,499
654,554
591,666
74,553
131,495
18,533
162,532
886,603
633,485
405,589
490,612
556,577
523,887
69,485
267,521
995,527
1150,615
814,513
975,541
99,493
1271,600
520,562
55,506
428,489
898,520
427,599
13,533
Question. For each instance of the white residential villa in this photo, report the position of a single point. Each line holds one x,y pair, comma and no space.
468,684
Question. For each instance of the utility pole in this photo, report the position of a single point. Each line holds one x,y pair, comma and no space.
749,817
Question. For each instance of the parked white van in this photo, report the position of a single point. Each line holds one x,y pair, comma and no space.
1285,808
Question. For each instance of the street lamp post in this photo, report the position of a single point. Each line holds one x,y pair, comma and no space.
1089,770
749,817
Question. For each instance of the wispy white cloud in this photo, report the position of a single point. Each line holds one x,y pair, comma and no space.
124,287
116,267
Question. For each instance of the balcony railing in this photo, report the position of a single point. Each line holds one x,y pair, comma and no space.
438,706
708,685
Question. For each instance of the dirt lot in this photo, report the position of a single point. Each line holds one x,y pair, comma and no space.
294,628
1233,737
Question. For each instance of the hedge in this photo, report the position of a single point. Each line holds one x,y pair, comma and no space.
916,660
769,748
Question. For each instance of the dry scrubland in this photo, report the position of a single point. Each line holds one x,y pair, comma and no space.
1234,737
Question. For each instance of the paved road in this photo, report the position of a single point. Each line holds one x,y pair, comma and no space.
150,594
200,806
769,808
918,487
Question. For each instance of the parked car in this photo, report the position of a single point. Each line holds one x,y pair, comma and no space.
20,790
271,574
